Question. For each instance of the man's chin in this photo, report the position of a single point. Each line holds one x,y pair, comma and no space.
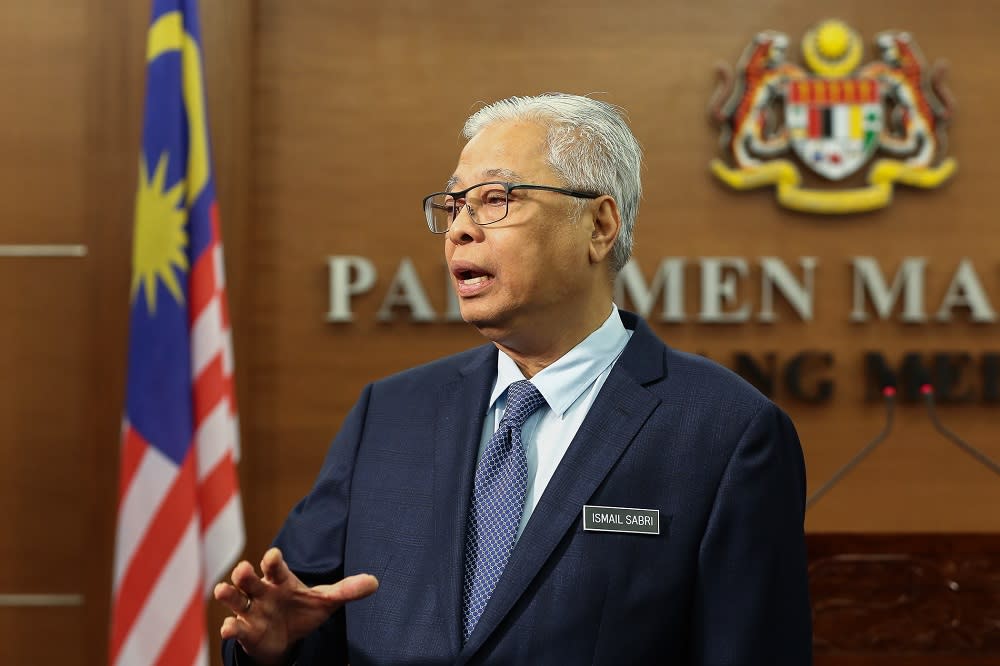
489,324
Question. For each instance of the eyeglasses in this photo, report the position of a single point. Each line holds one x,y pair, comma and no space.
486,202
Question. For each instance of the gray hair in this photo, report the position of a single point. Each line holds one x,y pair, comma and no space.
590,146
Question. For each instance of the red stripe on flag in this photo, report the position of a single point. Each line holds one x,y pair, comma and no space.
134,449
210,387
154,551
216,489
213,217
188,635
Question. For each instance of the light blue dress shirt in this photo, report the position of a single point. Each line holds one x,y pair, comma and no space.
569,386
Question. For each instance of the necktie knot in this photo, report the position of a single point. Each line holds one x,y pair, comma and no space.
523,400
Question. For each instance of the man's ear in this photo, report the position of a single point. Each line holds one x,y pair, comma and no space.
607,222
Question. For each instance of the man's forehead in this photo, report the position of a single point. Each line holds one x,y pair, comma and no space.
508,150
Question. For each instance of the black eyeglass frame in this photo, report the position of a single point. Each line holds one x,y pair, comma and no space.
508,188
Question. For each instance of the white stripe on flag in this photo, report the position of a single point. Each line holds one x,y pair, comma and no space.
223,542
166,603
218,262
215,436
227,353
140,504
206,336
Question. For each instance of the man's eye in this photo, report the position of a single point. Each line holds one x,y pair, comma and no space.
495,198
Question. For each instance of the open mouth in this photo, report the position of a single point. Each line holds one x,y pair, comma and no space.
472,277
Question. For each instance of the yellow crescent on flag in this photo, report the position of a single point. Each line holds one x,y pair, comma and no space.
167,35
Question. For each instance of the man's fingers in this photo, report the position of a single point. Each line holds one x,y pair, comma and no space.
242,572
274,568
351,588
247,580
230,597
230,628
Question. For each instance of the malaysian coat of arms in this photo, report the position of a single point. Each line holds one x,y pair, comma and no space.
834,118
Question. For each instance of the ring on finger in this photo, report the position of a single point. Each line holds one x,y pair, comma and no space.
246,608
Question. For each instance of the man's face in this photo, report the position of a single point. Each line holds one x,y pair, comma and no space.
531,271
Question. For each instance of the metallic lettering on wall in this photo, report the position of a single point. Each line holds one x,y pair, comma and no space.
726,288
877,294
833,118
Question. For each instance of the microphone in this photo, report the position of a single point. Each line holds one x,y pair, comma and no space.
927,390
887,382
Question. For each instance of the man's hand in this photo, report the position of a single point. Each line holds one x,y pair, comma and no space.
275,611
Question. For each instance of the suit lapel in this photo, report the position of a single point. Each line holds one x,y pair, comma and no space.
459,426
615,418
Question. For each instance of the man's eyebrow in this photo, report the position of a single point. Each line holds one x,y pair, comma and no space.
505,175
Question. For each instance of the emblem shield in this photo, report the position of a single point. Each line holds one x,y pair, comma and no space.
833,124
836,115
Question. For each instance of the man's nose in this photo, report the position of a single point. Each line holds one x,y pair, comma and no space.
463,228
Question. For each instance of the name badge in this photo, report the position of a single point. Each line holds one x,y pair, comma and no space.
620,519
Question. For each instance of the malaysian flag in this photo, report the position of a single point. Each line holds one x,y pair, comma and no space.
180,523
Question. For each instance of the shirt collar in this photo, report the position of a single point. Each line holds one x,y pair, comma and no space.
563,382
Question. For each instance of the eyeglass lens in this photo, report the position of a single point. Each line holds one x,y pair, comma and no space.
486,203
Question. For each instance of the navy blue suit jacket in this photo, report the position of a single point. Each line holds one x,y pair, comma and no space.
723,583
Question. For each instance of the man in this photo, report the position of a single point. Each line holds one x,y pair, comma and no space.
457,490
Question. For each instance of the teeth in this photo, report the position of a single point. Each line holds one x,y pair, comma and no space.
475,280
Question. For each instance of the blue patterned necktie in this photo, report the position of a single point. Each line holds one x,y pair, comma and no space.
497,504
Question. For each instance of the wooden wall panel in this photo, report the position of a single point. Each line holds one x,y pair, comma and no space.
46,477
329,122
357,113
43,354
45,496
43,47
47,636
358,109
